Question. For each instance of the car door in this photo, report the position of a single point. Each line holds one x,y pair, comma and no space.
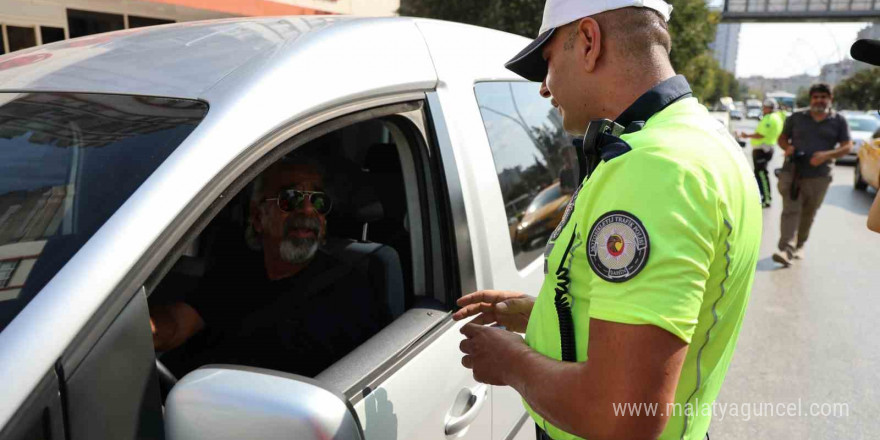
406,382
423,392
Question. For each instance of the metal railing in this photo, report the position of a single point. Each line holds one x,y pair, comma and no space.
801,10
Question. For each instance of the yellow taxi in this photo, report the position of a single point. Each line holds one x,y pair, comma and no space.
867,169
542,215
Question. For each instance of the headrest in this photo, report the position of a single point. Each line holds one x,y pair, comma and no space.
382,158
370,212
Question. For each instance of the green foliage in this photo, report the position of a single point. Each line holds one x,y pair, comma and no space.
803,98
522,17
860,91
692,27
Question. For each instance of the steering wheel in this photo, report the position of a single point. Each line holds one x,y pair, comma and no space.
167,379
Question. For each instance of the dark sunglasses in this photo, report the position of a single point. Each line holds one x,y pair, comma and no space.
293,199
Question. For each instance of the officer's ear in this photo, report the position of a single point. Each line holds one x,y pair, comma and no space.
589,40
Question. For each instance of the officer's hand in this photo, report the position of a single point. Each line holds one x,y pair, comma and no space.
509,309
789,151
818,158
489,351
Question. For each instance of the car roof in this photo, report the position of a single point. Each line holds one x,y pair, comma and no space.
194,59
182,60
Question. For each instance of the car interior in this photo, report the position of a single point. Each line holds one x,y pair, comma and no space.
377,174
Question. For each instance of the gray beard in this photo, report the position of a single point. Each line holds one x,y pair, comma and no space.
817,109
298,250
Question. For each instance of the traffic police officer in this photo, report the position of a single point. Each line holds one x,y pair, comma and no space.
648,275
763,142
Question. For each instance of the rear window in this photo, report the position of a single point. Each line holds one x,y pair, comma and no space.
863,124
68,161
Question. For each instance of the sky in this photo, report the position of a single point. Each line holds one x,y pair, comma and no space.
778,50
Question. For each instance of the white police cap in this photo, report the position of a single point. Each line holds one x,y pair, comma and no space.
530,64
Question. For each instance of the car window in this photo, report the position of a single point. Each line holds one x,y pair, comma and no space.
863,124
68,161
535,161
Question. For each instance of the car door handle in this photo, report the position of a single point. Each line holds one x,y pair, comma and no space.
466,408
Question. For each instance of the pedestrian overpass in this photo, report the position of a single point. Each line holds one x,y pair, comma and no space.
800,10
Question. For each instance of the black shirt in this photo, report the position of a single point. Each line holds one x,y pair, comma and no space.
810,136
300,324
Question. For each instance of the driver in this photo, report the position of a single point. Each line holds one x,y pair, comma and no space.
289,307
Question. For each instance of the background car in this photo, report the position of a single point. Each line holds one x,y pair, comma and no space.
542,215
754,113
867,167
736,114
862,128
125,163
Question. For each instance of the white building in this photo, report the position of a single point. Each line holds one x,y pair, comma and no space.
872,32
26,23
791,84
836,72
726,45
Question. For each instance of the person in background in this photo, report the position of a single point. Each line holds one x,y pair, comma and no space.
763,143
812,139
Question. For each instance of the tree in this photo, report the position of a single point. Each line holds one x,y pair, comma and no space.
692,28
803,98
860,91
522,17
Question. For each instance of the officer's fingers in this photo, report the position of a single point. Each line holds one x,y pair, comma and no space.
466,346
471,298
471,330
471,310
485,318
489,296
515,306
467,362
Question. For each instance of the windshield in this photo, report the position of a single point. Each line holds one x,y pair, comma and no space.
68,161
544,197
863,124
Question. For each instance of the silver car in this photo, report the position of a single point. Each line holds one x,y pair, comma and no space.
125,163
862,128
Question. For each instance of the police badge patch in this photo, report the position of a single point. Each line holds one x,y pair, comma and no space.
618,246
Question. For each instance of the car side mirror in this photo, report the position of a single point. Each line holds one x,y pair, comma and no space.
231,402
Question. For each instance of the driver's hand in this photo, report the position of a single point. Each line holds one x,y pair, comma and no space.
818,158
508,309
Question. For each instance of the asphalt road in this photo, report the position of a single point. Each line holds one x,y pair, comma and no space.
809,342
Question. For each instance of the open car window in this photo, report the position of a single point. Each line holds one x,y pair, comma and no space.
381,239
